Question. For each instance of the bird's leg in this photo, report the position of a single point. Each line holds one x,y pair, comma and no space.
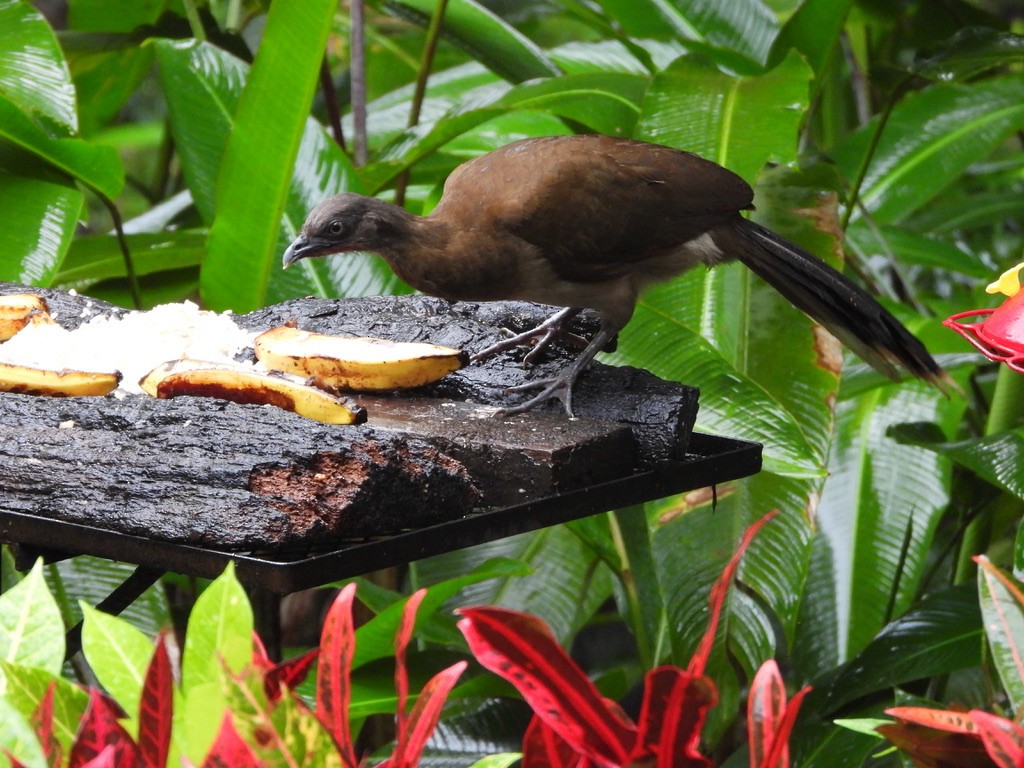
560,386
544,334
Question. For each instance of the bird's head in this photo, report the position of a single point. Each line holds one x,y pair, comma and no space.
347,222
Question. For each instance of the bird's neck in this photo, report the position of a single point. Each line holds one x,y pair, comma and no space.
414,246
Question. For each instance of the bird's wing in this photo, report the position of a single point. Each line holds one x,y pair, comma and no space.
595,205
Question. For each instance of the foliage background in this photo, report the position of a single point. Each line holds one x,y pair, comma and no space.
883,136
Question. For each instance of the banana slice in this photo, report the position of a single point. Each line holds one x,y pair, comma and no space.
18,310
28,380
241,384
355,363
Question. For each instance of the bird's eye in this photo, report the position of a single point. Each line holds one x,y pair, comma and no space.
335,228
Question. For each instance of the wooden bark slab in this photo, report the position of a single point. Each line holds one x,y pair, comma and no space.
235,477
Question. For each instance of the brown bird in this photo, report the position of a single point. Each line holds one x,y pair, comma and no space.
589,222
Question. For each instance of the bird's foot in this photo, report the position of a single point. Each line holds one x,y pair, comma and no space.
541,337
558,388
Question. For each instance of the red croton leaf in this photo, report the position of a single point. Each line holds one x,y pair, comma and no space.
42,723
107,759
675,706
100,732
1003,739
156,708
424,717
402,638
716,601
333,683
522,649
937,738
289,674
770,718
543,748
229,750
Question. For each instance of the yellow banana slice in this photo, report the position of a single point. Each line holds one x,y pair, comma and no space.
241,384
28,380
19,309
356,363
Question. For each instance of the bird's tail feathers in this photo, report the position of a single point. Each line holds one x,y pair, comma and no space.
848,312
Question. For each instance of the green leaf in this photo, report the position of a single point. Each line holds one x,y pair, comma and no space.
375,639
501,760
969,52
876,521
256,170
730,403
566,585
813,30
25,687
748,27
33,73
203,84
604,102
1002,608
940,634
41,210
96,258
113,15
219,633
929,140
94,165
18,738
493,42
31,628
997,458
105,80
739,122
119,655
912,247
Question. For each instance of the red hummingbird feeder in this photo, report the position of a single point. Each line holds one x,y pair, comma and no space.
1000,335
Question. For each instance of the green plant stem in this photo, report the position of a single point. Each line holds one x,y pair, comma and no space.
195,22
122,241
234,16
865,163
629,585
357,67
426,63
1006,412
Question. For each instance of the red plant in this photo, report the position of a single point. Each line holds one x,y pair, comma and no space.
102,742
575,727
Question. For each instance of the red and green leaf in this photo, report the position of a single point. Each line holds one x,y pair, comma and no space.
1002,608
716,601
675,706
770,718
522,649
1003,739
101,734
936,737
229,750
156,709
333,684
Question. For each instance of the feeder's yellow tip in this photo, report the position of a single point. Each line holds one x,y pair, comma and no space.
1008,282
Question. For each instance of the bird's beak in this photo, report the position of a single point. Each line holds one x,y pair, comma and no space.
300,248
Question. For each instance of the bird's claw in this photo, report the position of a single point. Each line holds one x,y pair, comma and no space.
559,388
